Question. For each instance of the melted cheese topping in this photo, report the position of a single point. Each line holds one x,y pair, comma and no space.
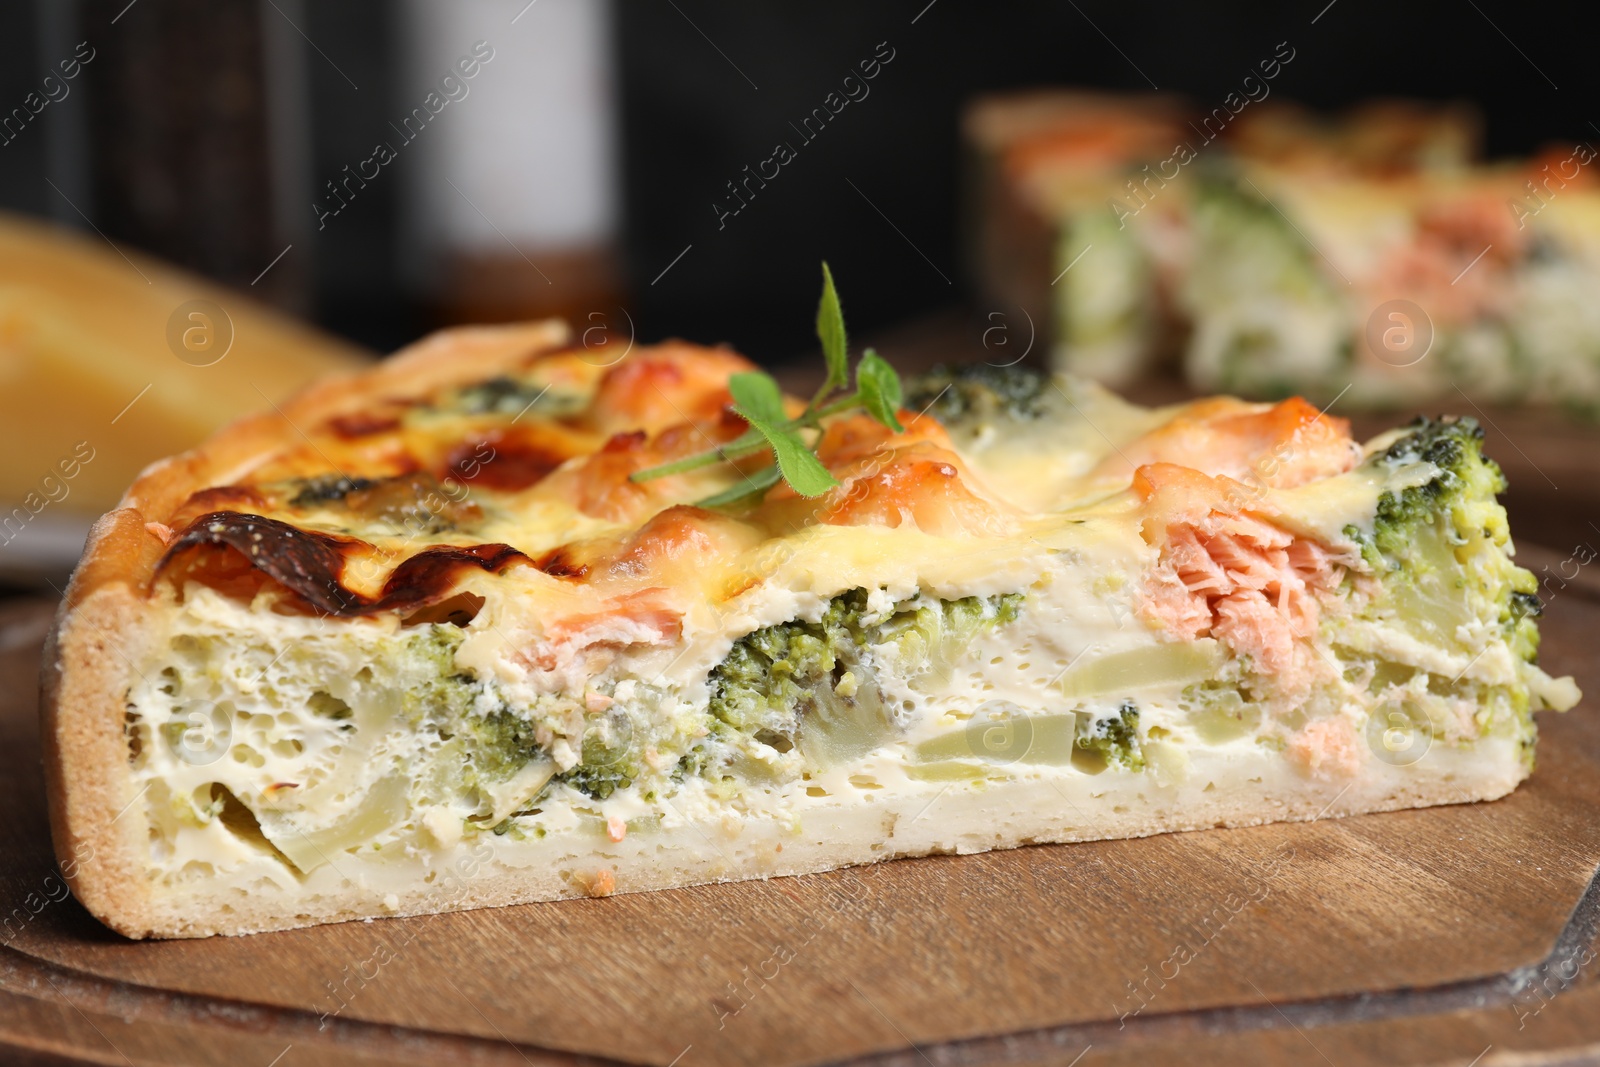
540,462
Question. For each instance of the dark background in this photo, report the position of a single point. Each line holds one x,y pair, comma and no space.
708,86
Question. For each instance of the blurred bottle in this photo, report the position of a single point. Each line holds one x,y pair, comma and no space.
511,204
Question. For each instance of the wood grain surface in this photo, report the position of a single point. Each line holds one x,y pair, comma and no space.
1423,937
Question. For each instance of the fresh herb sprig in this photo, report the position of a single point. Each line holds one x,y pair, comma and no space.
759,402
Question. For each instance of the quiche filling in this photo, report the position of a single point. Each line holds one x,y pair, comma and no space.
492,634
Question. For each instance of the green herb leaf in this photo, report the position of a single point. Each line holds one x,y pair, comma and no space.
746,443
756,394
879,388
801,468
830,331
748,486
759,401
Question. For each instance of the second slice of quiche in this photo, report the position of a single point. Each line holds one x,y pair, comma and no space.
420,640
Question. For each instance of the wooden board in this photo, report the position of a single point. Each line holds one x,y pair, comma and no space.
1414,937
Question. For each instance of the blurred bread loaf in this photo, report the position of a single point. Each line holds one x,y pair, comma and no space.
109,360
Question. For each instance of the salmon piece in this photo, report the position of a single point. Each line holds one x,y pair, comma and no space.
1467,224
687,438
1315,565
676,383
635,618
1197,571
681,538
1175,493
575,646
921,484
1430,268
1251,625
1286,445
1167,601
1233,575
853,437
674,547
1095,134
1327,749
599,484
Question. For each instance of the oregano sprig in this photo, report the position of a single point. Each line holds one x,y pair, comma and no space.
759,402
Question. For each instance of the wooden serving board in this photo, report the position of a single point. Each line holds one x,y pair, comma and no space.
1461,934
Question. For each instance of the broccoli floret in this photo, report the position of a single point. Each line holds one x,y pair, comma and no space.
1454,446
599,782
503,395
441,694
926,631
502,743
1115,740
326,488
977,392
1441,547
810,683
1441,552
773,676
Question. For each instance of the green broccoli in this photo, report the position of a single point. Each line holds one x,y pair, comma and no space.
1441,551
810,684
773,676
1441,548
1115,740
1453,445
598,782
977,392
504,395
1249,246
502,743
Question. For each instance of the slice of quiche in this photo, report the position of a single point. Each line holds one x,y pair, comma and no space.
423,640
